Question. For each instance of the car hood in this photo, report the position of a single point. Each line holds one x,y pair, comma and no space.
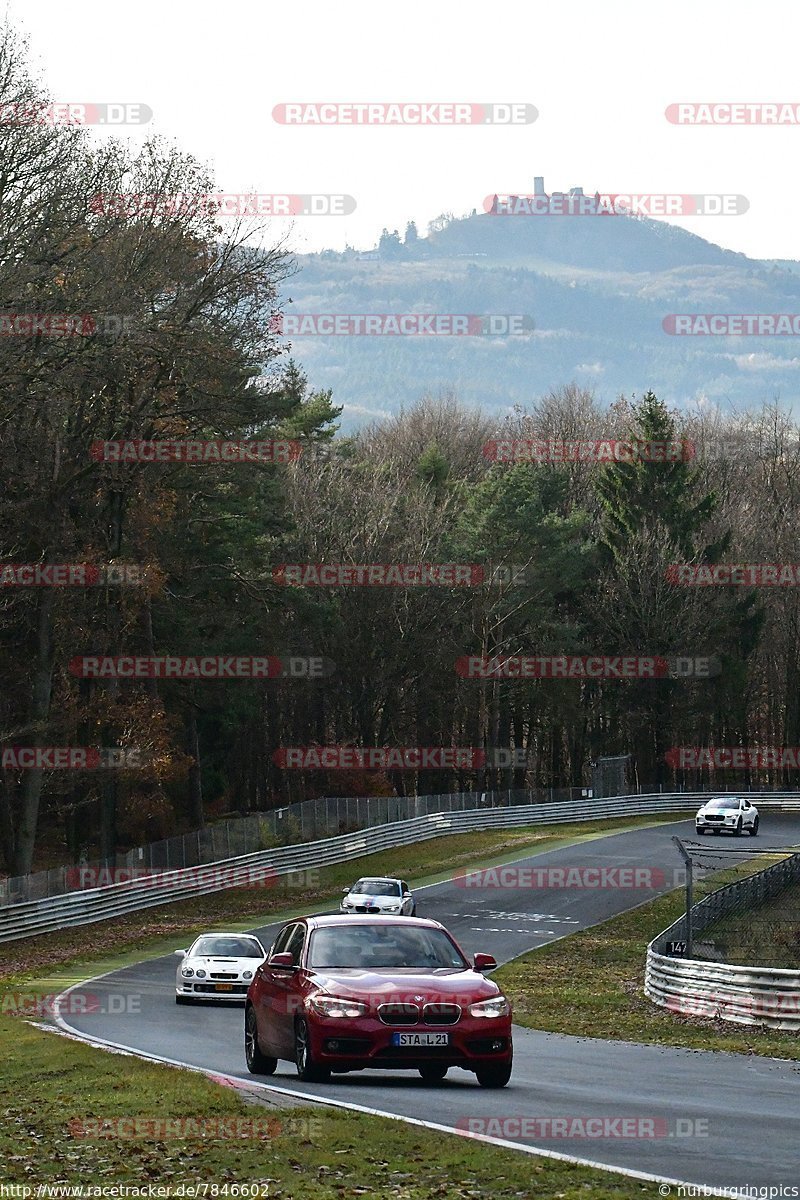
398,986
716,810
376,901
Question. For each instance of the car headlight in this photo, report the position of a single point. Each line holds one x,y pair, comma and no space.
392,908
187,971
200,973
247,974
336,1006
498,1006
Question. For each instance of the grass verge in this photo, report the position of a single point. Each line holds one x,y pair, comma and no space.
591,984
50,1083
767,936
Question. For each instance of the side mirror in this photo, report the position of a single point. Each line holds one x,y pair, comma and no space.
345,891
484,963
180,953
282,962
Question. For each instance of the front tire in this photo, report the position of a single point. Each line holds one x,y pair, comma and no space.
307,1069
701,832
739,827
183,1000
494,1076
754,828
433,1072
257,1063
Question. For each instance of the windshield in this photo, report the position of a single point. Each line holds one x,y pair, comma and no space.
724,803
376,887
371,948
226,947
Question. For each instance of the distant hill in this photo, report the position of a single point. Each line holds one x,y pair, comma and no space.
597,288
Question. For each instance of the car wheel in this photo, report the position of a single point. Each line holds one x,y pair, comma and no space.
494,1076
413,912
257,1063
739,827
308,1070
754,828
700,832
183,1000
433,1072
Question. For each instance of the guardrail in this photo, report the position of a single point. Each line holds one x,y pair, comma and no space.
85,907
744,995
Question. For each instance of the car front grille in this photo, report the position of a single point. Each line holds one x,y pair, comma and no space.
441,1014
399,1014
409,1014
222,975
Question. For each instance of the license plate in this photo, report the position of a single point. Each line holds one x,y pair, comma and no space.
224,987
420,1039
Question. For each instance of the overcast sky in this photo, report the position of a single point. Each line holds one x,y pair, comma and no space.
600,76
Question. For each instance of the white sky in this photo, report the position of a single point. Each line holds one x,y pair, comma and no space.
600,74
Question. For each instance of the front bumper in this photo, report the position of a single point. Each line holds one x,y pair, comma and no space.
208,990
706,823
367,1042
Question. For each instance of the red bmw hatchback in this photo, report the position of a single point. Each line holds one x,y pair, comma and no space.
342,993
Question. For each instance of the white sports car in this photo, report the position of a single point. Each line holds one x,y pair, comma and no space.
734,814
379,896
218,966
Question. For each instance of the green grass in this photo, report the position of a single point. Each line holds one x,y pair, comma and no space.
768,936
159,930
591,984
308,1153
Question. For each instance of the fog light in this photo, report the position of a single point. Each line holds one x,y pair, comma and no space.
333,1046
497,1045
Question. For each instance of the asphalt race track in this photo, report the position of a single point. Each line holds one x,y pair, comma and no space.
748,1107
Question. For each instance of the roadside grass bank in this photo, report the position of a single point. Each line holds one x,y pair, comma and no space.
57,1090
591,984
125,940
768,936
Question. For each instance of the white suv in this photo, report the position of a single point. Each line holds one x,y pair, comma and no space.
734,814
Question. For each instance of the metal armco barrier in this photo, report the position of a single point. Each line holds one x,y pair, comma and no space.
84,907
744,995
